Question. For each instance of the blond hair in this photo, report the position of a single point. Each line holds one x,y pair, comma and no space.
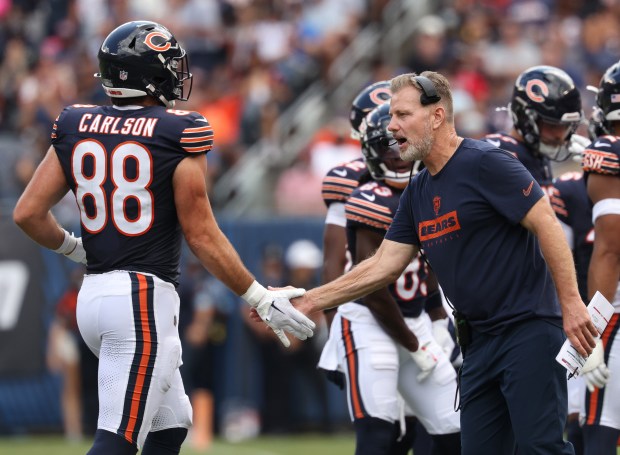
442,86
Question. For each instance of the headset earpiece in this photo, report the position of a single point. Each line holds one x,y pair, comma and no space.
429,93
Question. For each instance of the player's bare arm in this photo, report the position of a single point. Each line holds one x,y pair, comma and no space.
384,267
604,271
216,253
200,228
380,302
578,326
45,189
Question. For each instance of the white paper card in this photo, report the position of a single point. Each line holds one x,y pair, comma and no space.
601,312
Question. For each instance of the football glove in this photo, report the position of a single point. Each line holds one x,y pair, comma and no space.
72,248
275,309
595,372
426,357
577,145
442,336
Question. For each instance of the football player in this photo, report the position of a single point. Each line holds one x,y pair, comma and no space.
601,164
546,111
386,343
137,169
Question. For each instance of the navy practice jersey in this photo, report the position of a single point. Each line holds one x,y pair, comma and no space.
538,164
120,163
341,180
573,207
467,219
372,206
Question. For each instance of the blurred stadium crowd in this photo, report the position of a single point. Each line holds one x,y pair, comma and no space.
252,58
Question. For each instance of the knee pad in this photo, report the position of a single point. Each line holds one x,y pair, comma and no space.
107,442
446,444
164,442
374,436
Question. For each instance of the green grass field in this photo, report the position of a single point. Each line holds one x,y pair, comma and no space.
291,445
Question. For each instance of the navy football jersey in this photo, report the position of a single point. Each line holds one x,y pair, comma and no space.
467,219
538,164
573,207
602,156
372,206
119,163
341,180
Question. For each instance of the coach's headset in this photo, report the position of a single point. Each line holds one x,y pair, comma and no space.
429,93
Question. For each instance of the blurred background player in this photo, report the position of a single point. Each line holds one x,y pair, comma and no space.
601,164
386,337
546,110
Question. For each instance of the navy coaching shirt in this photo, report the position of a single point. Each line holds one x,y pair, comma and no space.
467,220
119,162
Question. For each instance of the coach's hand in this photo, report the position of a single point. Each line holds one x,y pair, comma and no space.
275,309
426,357
595,372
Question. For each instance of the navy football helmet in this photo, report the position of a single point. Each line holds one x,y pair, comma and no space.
380,149
547,94
607,107
143,58
365,101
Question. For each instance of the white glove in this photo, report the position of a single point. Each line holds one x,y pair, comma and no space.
595,372
578,144
275,309
442,336
72,248
426,357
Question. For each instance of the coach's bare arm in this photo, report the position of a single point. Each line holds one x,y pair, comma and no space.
541,221
379,270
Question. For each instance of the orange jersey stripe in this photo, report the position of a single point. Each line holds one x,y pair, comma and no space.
205,148
200,129
341,181
355,394
197,139
144,359
369,214
371,205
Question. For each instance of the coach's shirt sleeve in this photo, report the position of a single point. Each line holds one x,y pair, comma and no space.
507,184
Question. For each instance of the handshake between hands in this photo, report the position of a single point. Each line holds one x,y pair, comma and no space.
273,306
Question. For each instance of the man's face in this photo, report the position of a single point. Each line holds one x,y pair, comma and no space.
554,134
410,125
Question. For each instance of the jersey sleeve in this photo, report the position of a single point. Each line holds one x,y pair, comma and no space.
562,195
602,156
367,212
507,184
57,128
197,135
338,185
402,229
504,142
